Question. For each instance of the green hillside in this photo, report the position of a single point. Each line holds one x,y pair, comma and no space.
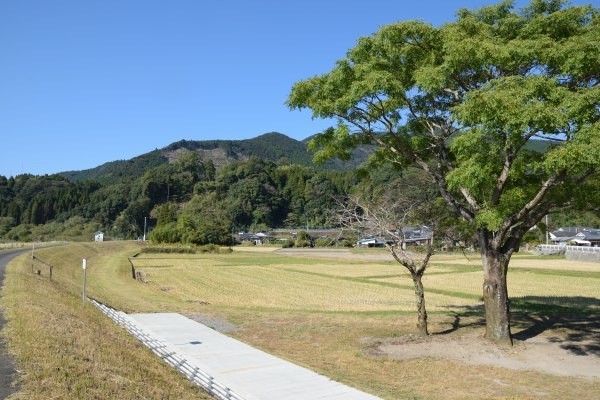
115,171
192,192
273,146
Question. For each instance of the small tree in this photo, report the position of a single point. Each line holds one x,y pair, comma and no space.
388,217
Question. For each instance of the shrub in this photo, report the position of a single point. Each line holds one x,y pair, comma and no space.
168,233
169,249
302,243
325,242
209,248
183,249
287,244
348,243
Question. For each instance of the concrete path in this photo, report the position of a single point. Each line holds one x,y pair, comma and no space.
251,373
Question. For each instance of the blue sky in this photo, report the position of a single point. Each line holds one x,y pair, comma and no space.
83,82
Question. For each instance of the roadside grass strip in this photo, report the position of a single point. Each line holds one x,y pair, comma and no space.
65,350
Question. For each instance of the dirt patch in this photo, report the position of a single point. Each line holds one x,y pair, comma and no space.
216,323
541,353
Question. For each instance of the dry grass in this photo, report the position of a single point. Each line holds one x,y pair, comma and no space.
528,261
66,351
320,313
317,312
334,345
256,249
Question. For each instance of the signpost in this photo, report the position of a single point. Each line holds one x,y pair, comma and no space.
84,278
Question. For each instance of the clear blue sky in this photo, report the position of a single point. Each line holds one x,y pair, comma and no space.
83,82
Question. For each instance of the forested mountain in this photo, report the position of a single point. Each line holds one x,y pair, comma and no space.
272,146
190,191
268,181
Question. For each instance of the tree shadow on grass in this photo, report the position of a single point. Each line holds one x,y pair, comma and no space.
573,322
574,319
466,317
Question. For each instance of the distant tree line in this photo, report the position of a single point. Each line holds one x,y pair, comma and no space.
191,201
188,200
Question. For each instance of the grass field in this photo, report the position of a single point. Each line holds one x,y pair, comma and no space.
64,350
318,312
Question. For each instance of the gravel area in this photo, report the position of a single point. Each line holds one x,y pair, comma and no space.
218,324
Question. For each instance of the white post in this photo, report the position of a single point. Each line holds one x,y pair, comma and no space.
32,255
84,279
144,229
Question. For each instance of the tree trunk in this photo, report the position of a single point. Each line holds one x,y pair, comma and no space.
421,311
495,296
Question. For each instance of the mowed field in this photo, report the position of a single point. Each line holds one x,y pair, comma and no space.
355,283
319,309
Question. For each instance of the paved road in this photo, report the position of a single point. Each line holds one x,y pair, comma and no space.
7,369
251,373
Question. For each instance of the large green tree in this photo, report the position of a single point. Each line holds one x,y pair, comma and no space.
462,102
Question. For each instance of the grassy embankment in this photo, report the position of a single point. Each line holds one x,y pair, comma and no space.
315,311
66,351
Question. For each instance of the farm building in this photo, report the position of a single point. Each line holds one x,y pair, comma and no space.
413,236
370,242
417,236
256,238
99,237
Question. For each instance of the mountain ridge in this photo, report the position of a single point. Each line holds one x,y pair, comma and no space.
271,146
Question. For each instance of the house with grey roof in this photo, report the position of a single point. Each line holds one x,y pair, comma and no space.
576,235
412,236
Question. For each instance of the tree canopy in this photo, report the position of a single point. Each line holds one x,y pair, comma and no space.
462,101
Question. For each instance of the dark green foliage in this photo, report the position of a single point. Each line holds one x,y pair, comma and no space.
272,146
189,200
325,242
303,239
117,171
164,213
153,249
183,249
29,199
168,233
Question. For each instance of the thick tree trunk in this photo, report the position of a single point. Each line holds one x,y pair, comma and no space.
495,296
421,311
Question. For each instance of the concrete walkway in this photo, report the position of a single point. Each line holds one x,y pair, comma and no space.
251,373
